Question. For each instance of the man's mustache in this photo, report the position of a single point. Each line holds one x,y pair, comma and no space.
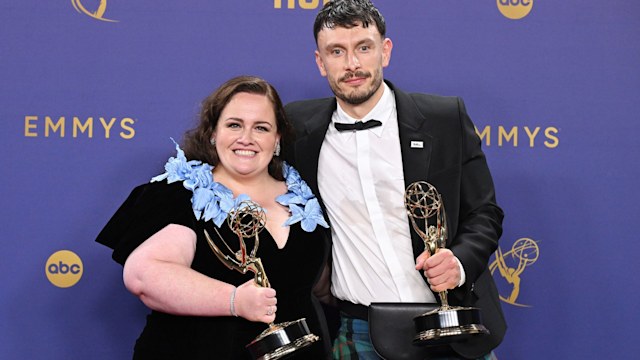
360,74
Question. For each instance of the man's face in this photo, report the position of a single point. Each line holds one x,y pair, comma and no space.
352,61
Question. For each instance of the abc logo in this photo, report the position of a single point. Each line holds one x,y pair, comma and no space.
515,9
64,268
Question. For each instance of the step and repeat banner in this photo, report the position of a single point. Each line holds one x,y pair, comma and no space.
91,91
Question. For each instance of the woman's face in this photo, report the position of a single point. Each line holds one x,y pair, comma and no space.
246,135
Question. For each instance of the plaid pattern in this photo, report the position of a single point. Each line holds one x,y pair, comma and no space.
353,343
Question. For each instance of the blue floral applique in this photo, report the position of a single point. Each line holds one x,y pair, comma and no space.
303,205
213,201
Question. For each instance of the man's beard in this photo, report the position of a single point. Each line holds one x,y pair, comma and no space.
357,97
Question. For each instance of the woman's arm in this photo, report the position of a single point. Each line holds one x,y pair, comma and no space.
159,273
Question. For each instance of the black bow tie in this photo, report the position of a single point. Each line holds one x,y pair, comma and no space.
359,125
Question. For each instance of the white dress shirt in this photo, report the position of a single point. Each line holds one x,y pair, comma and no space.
361,182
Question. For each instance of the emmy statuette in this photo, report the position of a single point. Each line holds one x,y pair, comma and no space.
447,323
278,340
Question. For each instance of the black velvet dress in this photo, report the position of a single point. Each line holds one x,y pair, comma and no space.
292,272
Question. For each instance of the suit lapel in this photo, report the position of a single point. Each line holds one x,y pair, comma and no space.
415,141
415,145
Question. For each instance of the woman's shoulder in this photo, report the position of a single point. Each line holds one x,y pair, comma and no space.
154,198
161,191
148,208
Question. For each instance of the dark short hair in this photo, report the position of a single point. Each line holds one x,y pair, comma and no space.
347,14
196,142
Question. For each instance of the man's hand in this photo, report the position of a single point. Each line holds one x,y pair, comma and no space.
441,269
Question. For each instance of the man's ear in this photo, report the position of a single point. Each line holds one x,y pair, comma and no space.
387,46
320,64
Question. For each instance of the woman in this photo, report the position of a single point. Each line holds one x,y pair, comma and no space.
200,308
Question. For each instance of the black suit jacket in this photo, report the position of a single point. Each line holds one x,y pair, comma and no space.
452,160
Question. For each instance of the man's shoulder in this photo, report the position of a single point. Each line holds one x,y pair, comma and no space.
424,100
433,99
314,110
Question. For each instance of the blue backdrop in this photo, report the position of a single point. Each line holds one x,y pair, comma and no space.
91,91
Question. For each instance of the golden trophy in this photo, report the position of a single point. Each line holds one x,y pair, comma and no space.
278,340
447,323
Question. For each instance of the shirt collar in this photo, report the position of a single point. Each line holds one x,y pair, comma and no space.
382,112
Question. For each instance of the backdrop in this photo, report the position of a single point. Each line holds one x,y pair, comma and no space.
91,91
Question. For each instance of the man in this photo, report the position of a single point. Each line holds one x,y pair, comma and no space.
361,177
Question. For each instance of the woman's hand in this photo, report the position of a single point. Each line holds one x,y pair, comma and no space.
256,303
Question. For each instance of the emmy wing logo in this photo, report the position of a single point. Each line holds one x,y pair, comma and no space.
98,14
512,264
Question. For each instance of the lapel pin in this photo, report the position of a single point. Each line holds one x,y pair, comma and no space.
417,145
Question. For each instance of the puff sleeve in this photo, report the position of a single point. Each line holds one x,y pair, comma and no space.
147,210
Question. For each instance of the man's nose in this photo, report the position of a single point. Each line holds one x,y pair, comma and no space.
352,62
